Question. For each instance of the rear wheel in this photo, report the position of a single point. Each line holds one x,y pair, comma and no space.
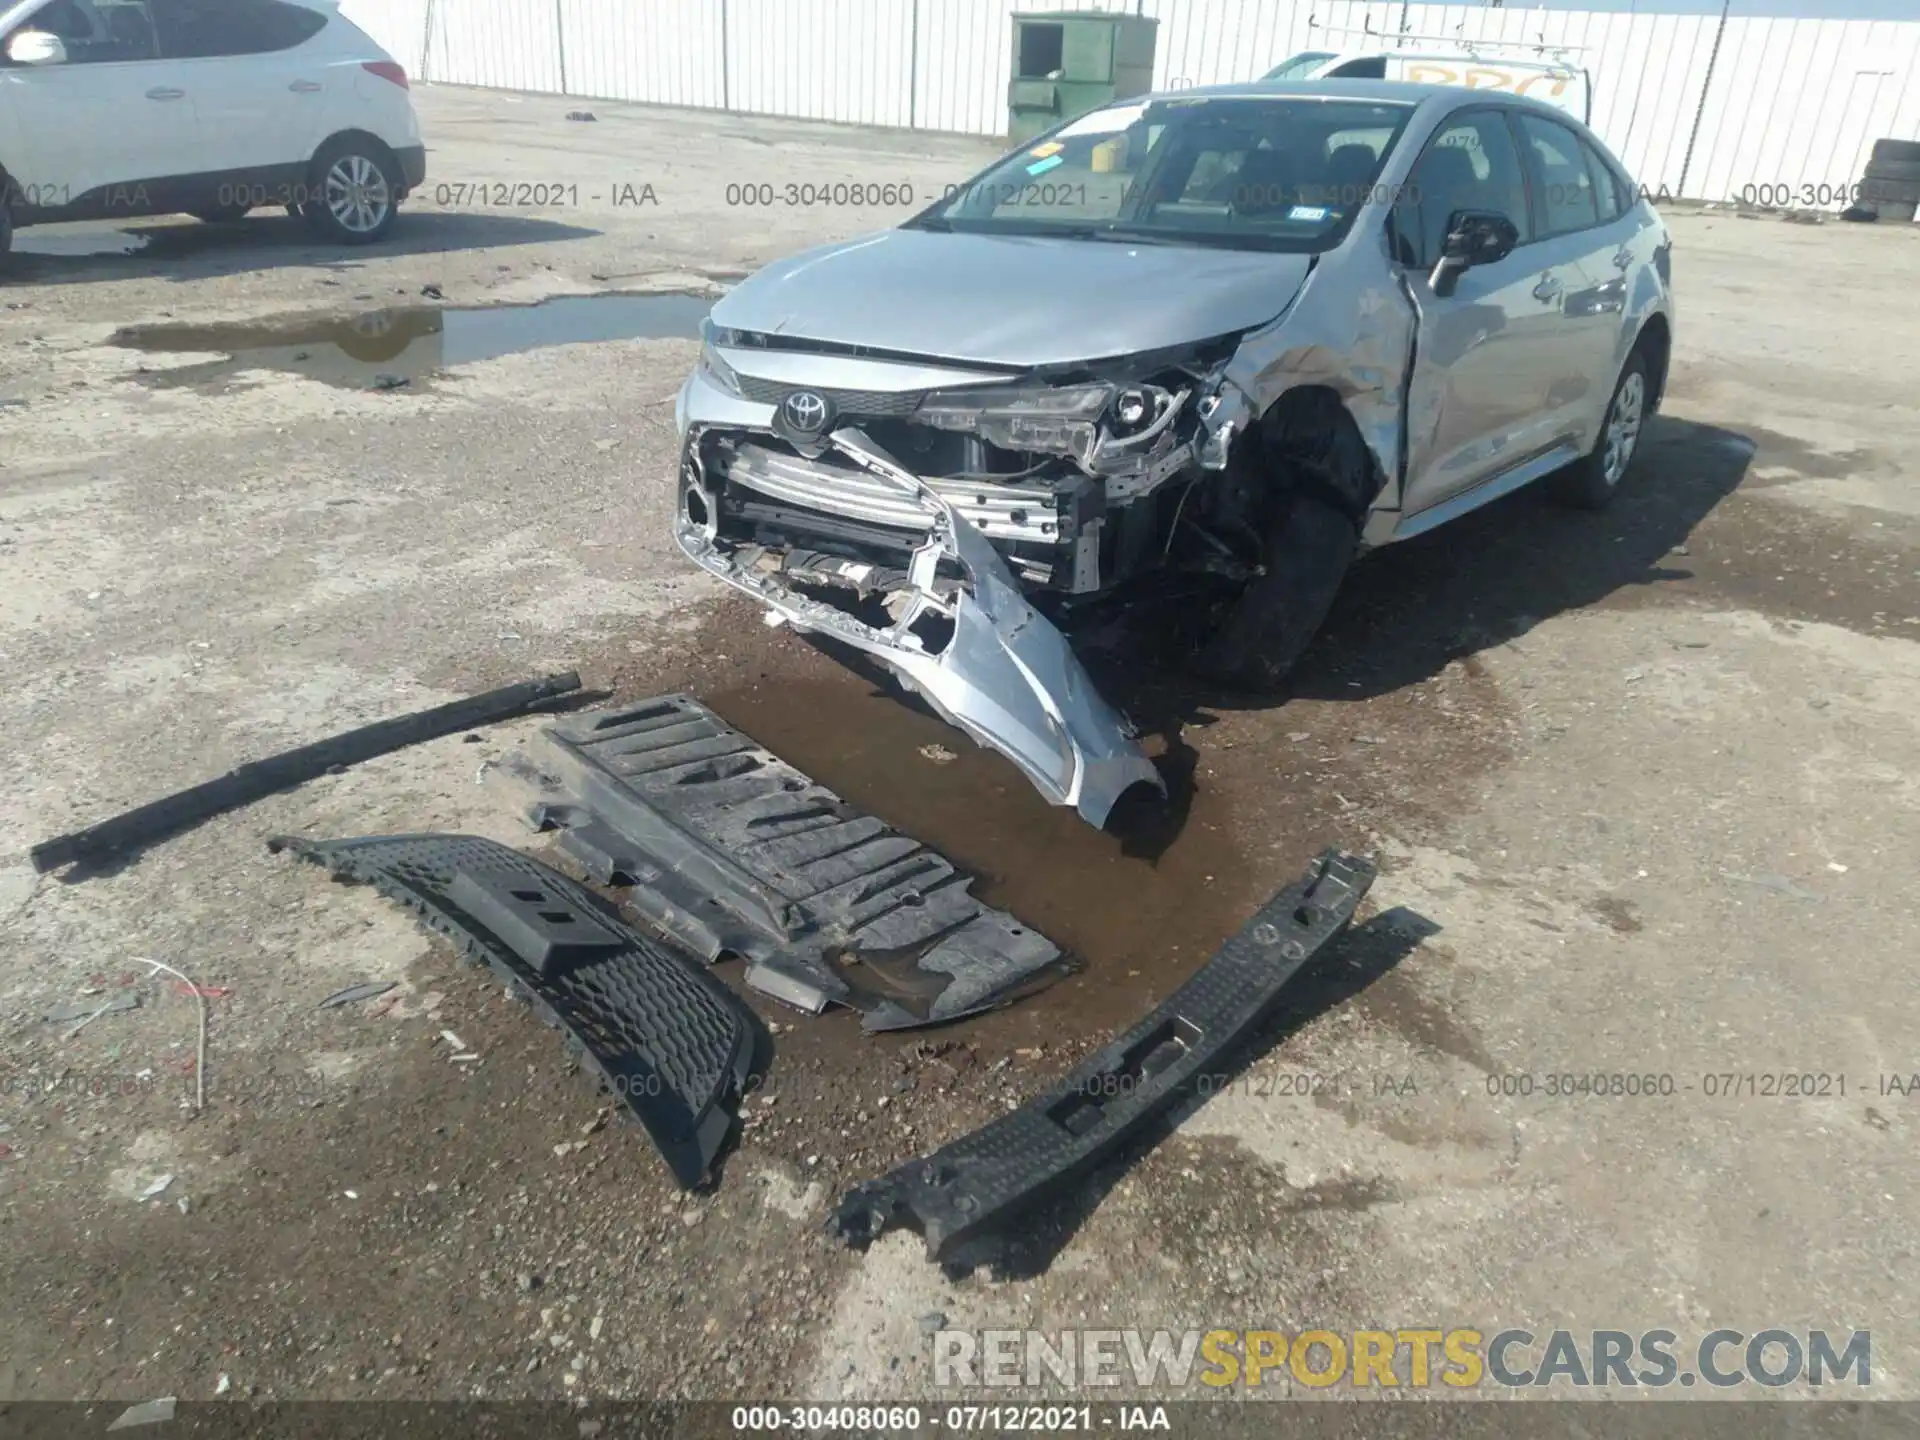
357,185
1591,482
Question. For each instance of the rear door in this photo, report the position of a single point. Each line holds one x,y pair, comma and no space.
257,82
103,129
1478,389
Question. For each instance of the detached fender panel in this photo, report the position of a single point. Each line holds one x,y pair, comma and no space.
1037,1151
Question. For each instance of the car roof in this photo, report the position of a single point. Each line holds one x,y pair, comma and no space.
1438,98
1396,92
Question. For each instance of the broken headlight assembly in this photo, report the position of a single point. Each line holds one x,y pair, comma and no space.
1062,420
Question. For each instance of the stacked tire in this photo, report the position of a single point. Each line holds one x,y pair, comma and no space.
1891,185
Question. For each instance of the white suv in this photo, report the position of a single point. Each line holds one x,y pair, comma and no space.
111,109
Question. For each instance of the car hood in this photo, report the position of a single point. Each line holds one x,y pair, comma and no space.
1012,300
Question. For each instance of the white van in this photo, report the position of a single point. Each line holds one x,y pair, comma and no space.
1548,78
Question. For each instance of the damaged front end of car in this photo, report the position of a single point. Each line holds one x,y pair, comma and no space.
927,515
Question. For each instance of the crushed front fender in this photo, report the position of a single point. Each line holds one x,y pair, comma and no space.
976,650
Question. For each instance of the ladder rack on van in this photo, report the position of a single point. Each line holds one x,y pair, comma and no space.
1459,42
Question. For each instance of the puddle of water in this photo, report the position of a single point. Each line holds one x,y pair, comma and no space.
77,243
412,342
1140,925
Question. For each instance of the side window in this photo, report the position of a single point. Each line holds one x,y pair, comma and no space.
97,31
1606,186
1470,164
199,29
1563,192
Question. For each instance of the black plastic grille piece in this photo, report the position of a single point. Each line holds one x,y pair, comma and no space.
730,850
845,402
1030,1155
658,1031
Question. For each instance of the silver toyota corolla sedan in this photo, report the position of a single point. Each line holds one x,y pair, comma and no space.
1212,344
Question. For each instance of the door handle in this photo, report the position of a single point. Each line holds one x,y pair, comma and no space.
1547,289
305,87
166,92
1622,258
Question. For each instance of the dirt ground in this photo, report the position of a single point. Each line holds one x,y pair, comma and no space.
1648,778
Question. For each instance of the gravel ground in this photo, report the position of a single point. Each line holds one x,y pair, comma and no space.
1646,779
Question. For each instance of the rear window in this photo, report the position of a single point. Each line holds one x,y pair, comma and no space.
199,29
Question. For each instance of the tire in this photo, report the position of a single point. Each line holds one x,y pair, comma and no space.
1896,212
1878,192
1268,627
358,183
1591,482
1897,152
220,214
1898,171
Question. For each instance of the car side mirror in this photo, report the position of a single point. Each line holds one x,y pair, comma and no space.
1474,237
36,47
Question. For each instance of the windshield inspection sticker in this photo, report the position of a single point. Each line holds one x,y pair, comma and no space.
1040,167
1307,212
1052,147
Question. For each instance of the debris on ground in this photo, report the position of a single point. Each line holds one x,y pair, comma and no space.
353,994
158,1187
1019,1160
939,754
149,1412
89,1010
256,779
730,850
651,1024
581,115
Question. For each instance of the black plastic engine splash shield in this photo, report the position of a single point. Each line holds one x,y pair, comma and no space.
657,1030
1032,1154
730,850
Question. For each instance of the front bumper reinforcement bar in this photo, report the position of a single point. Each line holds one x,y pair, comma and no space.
669,1041
1039,1150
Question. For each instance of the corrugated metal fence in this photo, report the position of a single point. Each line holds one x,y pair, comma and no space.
1694,104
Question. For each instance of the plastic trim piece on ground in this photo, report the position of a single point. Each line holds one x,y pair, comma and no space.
730,850
1031,1155
659,1032
257,779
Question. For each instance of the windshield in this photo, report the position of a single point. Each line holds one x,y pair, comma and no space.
1300,66
1249,173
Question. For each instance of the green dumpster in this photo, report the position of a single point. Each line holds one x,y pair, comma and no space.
1067,62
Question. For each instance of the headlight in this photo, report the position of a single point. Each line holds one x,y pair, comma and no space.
716,369
1062,419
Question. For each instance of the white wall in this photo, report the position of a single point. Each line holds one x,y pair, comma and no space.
1784,102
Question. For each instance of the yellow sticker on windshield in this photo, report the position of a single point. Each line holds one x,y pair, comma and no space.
1052,147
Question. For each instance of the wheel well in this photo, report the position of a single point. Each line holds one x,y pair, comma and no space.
364,136
1308,439
1655,341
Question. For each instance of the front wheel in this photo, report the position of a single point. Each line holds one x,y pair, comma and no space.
357,187
1591,482
1265,630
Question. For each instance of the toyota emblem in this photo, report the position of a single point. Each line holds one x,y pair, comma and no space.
805,411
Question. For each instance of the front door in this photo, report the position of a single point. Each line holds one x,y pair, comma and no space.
1489,353
101,129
